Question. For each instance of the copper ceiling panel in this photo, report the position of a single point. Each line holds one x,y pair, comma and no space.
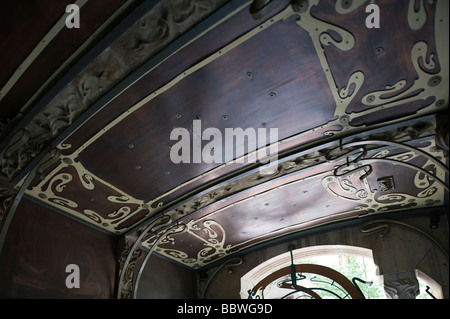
307,198
217,89
318,75
387,61
164,67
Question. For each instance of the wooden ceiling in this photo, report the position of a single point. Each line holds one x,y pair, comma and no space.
360,113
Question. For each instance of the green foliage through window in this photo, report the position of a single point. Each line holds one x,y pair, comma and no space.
349,266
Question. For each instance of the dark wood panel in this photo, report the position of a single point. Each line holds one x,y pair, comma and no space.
162,279
23,26
305,199
173,65
385,59
286,77
399,111
219,88
65,43
38,247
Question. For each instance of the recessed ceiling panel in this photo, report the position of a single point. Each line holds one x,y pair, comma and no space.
355,110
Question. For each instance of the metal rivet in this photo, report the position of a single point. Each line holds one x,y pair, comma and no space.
370,98
440,103
250,75
225,117
379,50
167,172
130,146
138,166
344,119
347,4
264,124
105,224
67,161
92,199
302,7
434,81
272,94
42,195
178,115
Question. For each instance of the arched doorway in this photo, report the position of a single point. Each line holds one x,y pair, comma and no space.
273,279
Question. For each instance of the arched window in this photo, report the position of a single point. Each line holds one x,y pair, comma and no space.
322,277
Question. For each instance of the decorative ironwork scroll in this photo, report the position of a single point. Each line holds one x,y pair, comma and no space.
348,287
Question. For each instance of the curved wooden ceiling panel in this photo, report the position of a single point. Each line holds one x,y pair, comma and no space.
38,43
331,87
229,220
227,99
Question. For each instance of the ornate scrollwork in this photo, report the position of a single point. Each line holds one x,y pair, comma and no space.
344,7
5,204
51,189
344,185
6,196
133,251
401,288
417,19
427,87
321,33
398,91
162,24
127,281
209,232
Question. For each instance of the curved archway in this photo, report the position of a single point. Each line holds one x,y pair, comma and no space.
327,255
253,278
348,288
